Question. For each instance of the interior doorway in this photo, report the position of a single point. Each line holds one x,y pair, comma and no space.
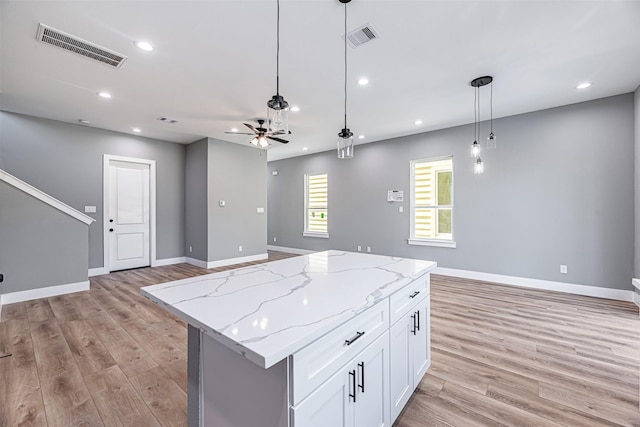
129,213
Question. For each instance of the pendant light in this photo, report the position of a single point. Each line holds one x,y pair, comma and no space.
278,108
475,147
477,83
345,137
492,140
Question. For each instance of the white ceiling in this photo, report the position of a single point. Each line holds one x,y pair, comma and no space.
214,63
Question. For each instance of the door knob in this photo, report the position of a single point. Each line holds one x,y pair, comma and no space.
111,230
110,220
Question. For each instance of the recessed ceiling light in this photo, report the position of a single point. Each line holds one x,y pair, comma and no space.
360,136
304,148
363,81
144,46
104,94
295,108
136,130
417,122
84,122
583,85
234,129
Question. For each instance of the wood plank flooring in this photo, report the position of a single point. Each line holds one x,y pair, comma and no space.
501,356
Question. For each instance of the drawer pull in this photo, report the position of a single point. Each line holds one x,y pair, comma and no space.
352,340
415,294
361,385
352,374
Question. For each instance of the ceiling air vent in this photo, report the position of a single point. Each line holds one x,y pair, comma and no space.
75,44
167,120
362,35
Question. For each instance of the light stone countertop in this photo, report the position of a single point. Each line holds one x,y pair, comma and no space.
269,311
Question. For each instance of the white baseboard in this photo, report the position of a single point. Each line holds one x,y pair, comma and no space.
196,262
225,262
168,261
289,250
636,296
98,271
570,288
47,292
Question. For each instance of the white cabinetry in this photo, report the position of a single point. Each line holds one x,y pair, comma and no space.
356,396
410,353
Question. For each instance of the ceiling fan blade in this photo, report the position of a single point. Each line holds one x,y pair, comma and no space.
250,127
240,133
284,141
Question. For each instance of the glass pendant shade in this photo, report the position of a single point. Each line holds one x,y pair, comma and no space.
475,149
277,115
345,144
478,166
492,141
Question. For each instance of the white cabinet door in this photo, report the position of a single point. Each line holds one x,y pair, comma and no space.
410,342
371,408
421,359
330,404
356,396
401,381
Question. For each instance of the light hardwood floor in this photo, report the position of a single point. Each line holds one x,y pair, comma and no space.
501,356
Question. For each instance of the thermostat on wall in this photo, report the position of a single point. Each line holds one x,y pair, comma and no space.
395,196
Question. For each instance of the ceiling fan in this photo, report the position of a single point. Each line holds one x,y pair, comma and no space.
261,135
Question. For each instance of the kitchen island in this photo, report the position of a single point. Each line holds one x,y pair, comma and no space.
326,339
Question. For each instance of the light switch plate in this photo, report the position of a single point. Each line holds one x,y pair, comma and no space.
222,203
89,209
260,210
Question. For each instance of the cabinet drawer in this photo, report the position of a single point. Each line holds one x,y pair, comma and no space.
318,361
402,301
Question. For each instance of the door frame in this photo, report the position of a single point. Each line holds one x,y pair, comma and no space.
107,158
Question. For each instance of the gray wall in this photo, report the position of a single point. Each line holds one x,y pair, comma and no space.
637,183
65,161
558,190
36,234
218,170
237,176
196,213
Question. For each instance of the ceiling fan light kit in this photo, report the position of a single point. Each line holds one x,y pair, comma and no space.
345,137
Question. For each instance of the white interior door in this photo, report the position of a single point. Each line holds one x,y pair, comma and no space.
128,215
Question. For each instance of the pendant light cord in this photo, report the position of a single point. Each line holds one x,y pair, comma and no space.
475,115
491,99
278,51
345,65
478,113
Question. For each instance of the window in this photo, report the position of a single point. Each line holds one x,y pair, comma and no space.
316,198
432,202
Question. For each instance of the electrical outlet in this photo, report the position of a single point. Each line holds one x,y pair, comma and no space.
368,248
274,240
359,248
240,248
400,209
563,269
190,248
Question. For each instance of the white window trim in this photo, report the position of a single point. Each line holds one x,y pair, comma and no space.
318,235
412,240
307,233
432,242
